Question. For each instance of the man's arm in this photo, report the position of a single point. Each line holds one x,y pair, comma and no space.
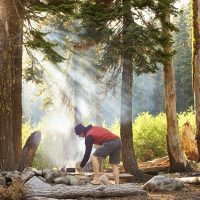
88,149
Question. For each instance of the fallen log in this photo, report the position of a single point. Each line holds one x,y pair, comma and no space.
191,180
44,198
156,162
159,160
37,188
28,151
90,198
155,166
155,170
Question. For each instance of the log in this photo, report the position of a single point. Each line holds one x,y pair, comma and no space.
64,191
189,143
159,160
37,188
28,151
155,170
191,180
155,166
156,162
91,198
44,198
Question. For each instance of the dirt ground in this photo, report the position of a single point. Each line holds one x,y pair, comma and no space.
190,192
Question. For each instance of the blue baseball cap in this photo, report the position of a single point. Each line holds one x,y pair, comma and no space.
79,128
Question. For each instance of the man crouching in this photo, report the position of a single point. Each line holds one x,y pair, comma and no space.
110,145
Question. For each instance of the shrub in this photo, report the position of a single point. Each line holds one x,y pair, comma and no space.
149,135
27,129
115,127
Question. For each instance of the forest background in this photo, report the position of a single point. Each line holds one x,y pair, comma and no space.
43,101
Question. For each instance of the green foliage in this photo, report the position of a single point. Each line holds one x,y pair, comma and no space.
38,42
104,23
35,14
106,163
115,127
150,136
54,7
27,129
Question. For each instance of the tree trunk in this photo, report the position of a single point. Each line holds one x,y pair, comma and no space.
7,156
77,88
176,157
97,108
196,67
16,30
126,131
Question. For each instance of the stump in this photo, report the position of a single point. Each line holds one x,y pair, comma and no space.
28,151
189,142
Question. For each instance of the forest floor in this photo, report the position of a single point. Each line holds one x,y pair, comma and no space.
190,192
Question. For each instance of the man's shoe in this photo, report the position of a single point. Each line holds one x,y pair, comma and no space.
94,182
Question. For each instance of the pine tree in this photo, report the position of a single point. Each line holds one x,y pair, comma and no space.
129,45
196,67
183,61
176,157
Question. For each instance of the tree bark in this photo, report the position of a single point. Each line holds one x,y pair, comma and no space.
189,143
196,67
38,188
16,30
7,156
176,157
126,130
